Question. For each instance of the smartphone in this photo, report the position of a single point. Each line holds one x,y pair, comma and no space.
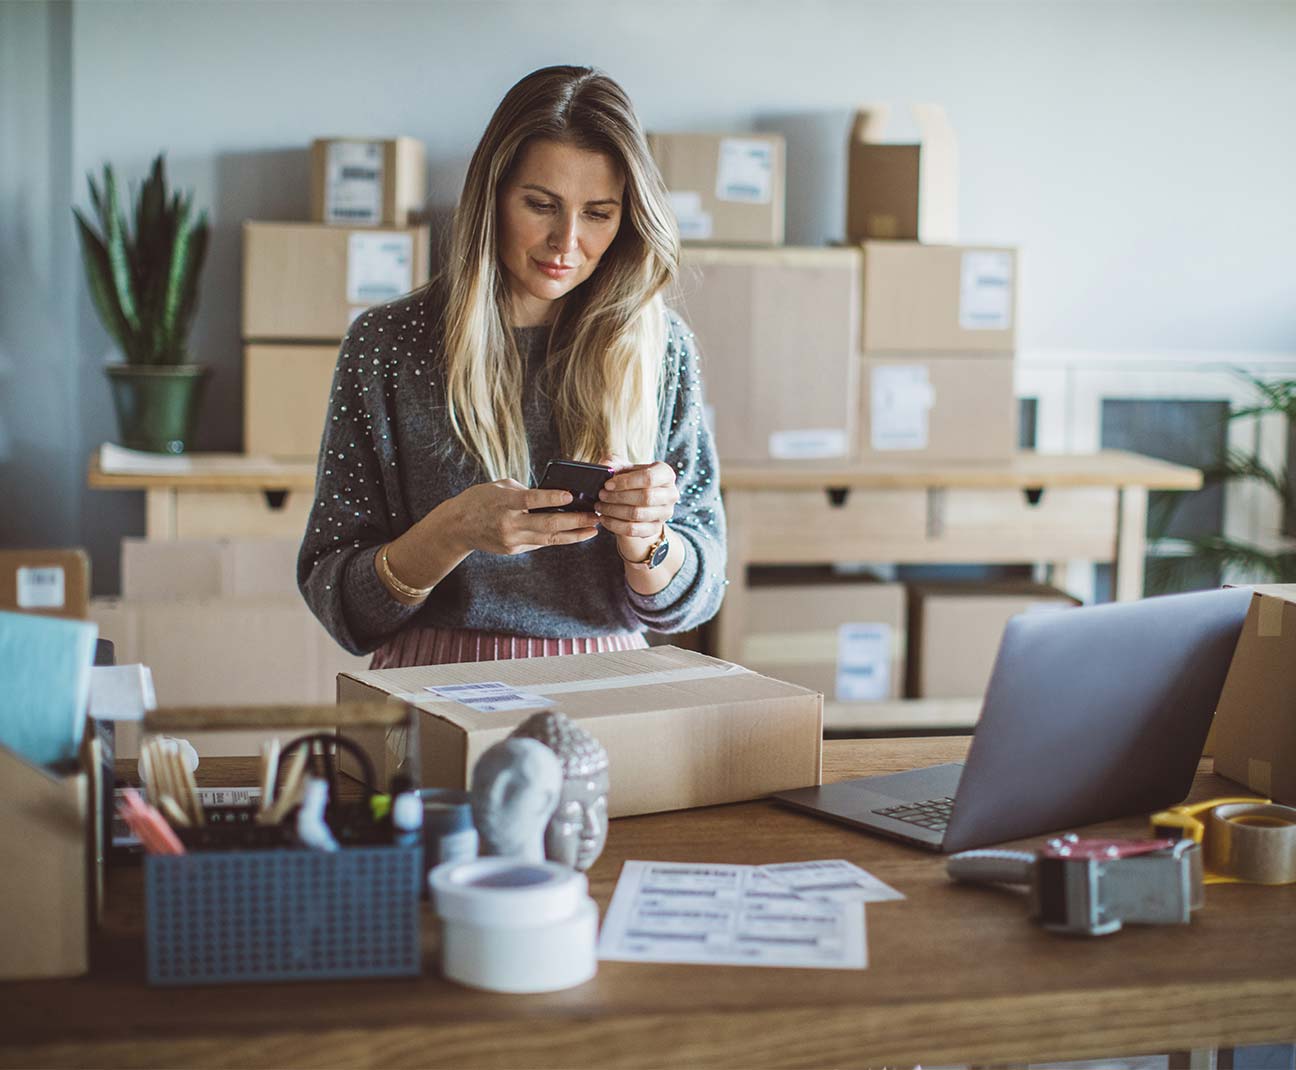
584,481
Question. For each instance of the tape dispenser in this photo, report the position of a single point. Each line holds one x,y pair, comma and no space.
1093,887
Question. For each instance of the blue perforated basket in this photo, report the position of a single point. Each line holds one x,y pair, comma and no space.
282,915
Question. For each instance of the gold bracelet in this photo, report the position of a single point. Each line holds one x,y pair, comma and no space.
384,566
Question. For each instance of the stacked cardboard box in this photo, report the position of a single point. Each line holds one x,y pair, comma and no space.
364,182
777,331
303,284
726,189
844,638
938,335
954,632
221,623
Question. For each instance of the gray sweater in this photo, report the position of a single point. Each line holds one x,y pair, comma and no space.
389,456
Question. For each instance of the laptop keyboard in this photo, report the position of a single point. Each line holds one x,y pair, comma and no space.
931,814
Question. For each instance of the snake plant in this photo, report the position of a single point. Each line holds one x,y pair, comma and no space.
144,284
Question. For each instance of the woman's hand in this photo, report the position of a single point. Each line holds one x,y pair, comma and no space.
495,518
636,503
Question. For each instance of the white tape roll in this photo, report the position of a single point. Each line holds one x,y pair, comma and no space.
1253,843
506,893
542,958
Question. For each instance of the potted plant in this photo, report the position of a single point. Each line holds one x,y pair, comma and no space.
1203,560
145,289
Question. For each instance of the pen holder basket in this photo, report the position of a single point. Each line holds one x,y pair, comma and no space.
280,913
287,914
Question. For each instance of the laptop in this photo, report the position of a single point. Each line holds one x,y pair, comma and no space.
1091,714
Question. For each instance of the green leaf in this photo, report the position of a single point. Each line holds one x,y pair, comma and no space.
117,261
99,279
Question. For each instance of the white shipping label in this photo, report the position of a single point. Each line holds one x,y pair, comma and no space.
353,182
986,291
864,662
380,267
808,445
694,222
41,587
745,171
900,398
830,880
494,696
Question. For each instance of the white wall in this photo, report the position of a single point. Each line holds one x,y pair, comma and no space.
1140,152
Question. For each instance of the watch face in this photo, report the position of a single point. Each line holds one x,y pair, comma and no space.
659,554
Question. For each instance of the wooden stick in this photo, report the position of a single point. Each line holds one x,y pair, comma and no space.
269,771
174,813
288,791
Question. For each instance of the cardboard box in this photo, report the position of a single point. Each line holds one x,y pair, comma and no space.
954,632
169,569
681,729
285,399
906,192
52,583
1255,727
776,329
938,298
726,189
940,408
308,281
364,182
225,652
44,871
845,640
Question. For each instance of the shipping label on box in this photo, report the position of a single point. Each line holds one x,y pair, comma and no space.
864,662
353,182
380,267
986,291
681,729
745,171
900,398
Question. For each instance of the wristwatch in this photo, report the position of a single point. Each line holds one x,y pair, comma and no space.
656,552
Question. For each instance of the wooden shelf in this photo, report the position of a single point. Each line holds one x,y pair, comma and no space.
208,471
919,714
1107,468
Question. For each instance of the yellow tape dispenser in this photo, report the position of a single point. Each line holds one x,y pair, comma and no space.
1244,840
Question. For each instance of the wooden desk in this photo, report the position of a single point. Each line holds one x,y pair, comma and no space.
208,495
1038,508
956,975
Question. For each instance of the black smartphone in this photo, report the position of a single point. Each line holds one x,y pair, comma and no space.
584,481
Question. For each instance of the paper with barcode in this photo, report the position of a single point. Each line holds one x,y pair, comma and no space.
831,880
494,696
726,915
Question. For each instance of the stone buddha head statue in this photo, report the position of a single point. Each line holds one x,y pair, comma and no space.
579,826
515,786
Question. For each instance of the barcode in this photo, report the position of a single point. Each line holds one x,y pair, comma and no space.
367,174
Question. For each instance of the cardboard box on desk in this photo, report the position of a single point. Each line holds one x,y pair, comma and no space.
906,192
955,628
726,189
367,182
1255,730
955,408
844,639
681,729
44,871
53,583
938,298
308,281
776,330
285,398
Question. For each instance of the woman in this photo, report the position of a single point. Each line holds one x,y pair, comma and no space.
545,337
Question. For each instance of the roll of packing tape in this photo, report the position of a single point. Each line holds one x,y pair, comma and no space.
543,958
1252,843
506,893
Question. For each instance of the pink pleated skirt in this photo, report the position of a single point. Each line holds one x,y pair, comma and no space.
443,646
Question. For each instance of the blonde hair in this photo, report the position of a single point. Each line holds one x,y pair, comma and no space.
606,346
